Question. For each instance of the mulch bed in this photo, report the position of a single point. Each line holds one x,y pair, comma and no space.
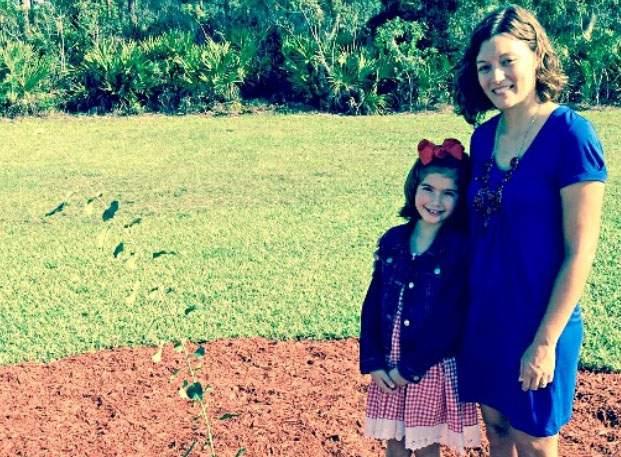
302,399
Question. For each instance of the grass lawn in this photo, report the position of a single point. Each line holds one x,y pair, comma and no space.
272,221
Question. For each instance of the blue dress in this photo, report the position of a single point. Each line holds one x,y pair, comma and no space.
515,261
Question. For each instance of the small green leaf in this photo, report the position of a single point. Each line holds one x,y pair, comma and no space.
118,249
110,211
200,351
58,209
154,293
136,221
228,416
241,451
92,199
157,254
190,309
178,345
195,391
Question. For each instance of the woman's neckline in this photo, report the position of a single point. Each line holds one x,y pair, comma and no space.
529,147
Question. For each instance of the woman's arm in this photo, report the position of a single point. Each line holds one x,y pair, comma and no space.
582,208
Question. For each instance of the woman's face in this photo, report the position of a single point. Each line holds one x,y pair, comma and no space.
506,68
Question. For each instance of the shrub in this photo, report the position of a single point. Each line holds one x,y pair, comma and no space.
114,75
595,68
174,83
327,68
26,80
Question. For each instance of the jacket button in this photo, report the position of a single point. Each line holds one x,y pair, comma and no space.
416,378
437,271
406,323
389,260
411,285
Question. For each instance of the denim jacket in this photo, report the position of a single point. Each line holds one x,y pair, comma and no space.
434,302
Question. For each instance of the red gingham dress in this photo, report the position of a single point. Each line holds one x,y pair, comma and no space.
425,413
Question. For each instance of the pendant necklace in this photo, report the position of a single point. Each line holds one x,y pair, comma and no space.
488,201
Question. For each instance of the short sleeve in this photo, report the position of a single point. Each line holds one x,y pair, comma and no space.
581,155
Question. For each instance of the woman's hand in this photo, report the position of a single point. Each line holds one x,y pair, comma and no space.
397,378
381,378
537,366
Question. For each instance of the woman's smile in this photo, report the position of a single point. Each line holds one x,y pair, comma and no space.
506,70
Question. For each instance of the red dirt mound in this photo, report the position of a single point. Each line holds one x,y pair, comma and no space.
302,399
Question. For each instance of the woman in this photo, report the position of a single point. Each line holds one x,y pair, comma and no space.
534,204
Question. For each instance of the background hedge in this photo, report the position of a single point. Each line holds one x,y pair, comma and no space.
355,57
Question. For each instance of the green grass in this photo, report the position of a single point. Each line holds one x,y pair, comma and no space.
273,220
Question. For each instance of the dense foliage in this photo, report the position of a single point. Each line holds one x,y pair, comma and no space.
347,56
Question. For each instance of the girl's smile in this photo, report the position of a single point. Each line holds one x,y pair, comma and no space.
436,198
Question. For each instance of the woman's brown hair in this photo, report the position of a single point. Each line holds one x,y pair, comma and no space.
470,100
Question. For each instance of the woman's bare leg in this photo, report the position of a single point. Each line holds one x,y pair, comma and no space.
501,441
532,446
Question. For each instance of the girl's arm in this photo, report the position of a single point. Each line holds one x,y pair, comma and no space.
582,207
371,346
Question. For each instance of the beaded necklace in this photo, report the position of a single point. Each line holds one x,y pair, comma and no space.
488,201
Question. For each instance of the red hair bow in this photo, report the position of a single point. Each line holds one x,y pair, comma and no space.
427,151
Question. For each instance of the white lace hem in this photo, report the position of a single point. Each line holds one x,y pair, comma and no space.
419,437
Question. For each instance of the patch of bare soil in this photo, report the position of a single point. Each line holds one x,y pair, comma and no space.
289,399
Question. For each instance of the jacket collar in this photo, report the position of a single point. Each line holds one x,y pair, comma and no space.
438,247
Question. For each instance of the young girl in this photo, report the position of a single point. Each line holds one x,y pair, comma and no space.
413,312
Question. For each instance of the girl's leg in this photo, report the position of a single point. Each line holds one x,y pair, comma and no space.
429,451
396,448
499,433
532,446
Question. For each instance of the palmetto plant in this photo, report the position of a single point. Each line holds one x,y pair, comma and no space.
25,80
169,53
353,80
114,75
304,69
221,70
419,76
334,75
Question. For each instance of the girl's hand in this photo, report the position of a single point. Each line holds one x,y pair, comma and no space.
397,378
537,366
381,378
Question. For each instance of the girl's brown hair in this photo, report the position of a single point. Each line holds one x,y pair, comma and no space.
470,100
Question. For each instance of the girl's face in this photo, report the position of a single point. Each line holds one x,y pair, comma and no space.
506,68
436,197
